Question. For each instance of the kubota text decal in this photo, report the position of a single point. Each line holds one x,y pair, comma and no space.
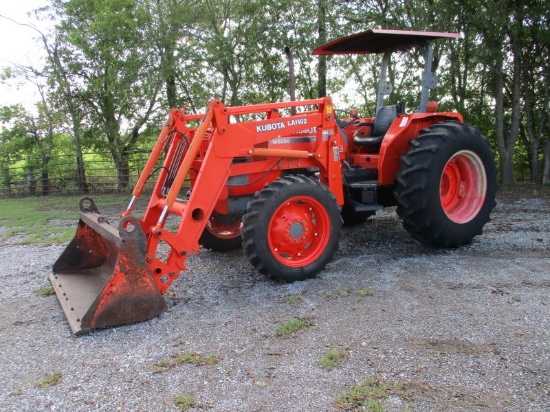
279,125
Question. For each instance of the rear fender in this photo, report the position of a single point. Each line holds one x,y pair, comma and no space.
396,141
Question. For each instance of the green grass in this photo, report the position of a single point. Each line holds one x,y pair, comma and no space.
364,293
184,403
292,299
367,395
197,359
50,380
337,294
333,358
291,326
47,220
344,293
373,405
45,291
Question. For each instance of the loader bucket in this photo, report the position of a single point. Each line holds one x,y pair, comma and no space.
102,279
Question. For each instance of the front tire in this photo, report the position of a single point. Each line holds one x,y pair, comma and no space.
292,228
447,184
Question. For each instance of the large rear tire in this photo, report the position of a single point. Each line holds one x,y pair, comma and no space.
446,186
292,228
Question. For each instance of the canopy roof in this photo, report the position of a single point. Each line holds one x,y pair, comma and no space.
380,41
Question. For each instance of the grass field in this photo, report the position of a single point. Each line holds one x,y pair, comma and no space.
46,220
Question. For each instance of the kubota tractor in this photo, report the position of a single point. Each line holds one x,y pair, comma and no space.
277,179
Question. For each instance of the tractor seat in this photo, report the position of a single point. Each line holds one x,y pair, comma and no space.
382,122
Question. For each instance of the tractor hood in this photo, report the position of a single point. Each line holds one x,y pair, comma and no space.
380,41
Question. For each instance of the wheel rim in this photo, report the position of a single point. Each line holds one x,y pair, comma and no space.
223,231
299,231
463,186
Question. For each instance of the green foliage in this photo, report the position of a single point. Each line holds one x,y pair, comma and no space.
333,358
293,299
15,136
292,326
184,403
45,291
180,358
337,294
51,379
372,405
364,293
366,394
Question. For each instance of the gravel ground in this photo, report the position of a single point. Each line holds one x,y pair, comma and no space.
441,330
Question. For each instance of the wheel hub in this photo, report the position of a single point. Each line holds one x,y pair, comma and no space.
296,230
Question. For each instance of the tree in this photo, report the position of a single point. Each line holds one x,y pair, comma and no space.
115,66
169,21
103,46
22,135
535,86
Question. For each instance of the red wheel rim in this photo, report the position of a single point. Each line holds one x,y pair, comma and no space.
463,186
223,231
299,231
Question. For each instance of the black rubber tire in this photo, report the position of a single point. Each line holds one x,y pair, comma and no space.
218,242
270,214
420,189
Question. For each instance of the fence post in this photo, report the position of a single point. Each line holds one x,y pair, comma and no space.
7,181
45,176
31,182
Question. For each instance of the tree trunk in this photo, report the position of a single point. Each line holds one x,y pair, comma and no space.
505,152
122,165
322,66
546,116
80,169
546,168
168,63
506,140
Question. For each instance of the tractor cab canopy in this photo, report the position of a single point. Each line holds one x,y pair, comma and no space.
387,41
380,41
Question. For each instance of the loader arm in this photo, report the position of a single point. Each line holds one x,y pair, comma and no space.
211,159
249,146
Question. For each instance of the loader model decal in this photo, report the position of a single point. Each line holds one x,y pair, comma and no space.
280,125
280,140
296,122
289,140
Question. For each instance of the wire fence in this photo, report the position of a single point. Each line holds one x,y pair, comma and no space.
60,176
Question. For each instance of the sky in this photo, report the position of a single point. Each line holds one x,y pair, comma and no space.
19,45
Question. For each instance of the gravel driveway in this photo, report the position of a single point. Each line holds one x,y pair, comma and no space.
416,329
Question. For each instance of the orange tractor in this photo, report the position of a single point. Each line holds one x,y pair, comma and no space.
277,179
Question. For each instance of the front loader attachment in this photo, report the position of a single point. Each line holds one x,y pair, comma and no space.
109,276
102,279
